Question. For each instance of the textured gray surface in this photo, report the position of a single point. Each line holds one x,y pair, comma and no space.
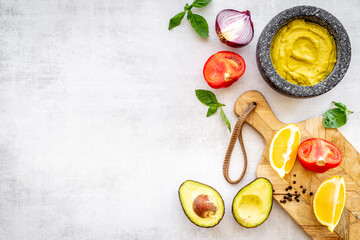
99,123
309,13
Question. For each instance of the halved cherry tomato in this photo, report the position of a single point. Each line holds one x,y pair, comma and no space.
224,68
319,155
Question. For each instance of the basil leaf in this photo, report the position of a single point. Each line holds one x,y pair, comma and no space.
199,24
225,119
335,118
206,97
342,106
189,14
209,99
176,20
200,3
211,111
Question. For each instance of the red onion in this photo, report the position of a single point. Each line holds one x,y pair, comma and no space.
234,28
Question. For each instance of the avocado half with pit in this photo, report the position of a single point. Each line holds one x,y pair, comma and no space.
202,204
253,203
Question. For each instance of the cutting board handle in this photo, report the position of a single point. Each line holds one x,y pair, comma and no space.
262,117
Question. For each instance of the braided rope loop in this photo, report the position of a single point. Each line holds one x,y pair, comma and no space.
237,135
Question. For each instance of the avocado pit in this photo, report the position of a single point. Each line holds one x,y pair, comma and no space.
203,207
202,204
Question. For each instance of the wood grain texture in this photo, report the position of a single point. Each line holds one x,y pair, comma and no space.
266,123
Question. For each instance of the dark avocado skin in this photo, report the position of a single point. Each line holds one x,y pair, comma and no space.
232,209
185,211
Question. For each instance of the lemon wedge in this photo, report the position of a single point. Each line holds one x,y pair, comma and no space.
283,149
329,202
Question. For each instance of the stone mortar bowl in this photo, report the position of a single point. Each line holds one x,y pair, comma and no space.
313,14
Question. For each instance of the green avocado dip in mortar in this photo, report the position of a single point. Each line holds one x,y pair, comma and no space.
303,53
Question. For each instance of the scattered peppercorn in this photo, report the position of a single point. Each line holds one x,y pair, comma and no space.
290,199
284,201
294,182
290,187
311,193
301,186
289,194
297,200
294,175
295,192
273,190
286,189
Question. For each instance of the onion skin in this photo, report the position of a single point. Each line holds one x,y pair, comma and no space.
227,41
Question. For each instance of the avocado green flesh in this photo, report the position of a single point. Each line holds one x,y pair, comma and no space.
252,204
189,191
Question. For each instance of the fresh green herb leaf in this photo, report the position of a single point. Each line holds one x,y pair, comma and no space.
199,24
200,3
211,111
209,99
335,118
176,20
342,106
206,97
225,119
189,14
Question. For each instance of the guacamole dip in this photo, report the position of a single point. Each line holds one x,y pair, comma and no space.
303,53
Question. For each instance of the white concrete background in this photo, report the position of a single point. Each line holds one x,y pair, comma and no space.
99,123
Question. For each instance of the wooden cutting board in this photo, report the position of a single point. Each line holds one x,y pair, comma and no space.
265,122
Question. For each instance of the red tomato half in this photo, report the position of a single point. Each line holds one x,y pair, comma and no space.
224,68
319,155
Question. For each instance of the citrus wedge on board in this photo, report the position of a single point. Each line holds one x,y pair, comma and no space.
283,149
329,202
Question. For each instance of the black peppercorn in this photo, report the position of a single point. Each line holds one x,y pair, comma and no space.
294,182
311,193
290,187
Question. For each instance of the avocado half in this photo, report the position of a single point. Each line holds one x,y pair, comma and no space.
252,204
202,204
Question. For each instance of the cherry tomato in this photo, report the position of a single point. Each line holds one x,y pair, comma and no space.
319,155
224,68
